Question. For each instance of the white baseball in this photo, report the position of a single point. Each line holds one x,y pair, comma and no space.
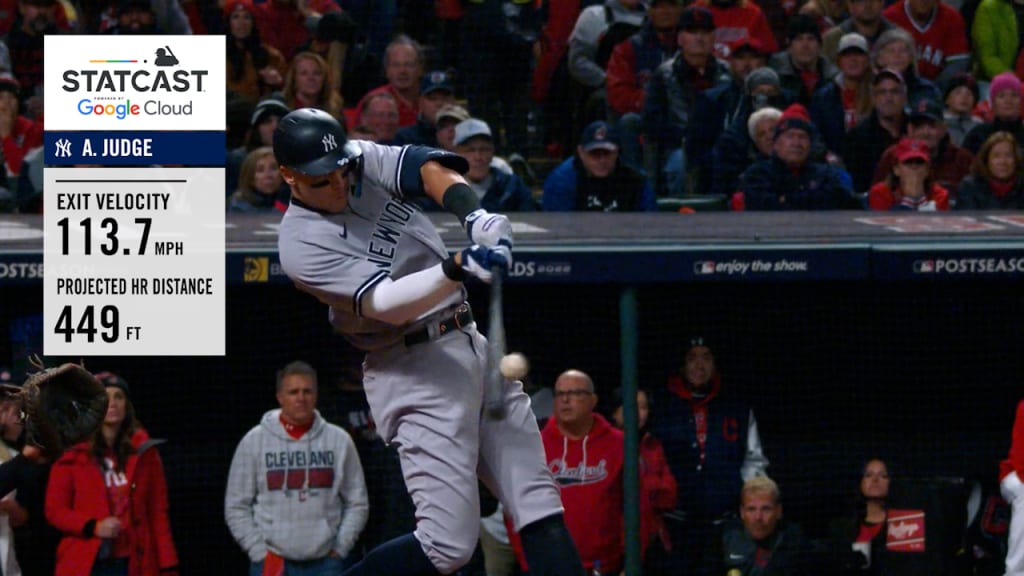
514,366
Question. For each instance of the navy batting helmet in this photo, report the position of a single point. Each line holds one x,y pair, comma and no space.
312,142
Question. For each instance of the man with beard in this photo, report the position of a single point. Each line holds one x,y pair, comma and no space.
135,17
865,19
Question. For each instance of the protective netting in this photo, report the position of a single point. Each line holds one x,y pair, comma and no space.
926,375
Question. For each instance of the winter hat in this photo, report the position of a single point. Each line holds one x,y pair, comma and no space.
1004,81
764,76
962,79
794,118
803,24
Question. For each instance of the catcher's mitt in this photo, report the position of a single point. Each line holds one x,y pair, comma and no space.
63,406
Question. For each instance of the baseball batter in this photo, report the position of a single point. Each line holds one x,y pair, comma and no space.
351,238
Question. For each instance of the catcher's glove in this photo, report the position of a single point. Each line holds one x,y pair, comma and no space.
63,406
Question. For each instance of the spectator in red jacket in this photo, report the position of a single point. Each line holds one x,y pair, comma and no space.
911,185
585,455
18,133
940,36
738,20
285,24
657,485
403,67
950,163
1010,471
108,497
630,66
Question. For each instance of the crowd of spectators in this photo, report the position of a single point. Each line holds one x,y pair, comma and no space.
675,84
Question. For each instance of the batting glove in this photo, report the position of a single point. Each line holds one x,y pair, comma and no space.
488,229
479,260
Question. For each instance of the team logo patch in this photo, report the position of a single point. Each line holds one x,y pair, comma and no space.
329,142
906,531
256,269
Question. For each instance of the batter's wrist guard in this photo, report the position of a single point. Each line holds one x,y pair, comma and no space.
459,199
452,270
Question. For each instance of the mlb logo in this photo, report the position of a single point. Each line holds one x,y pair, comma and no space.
704,267
905,531
924,266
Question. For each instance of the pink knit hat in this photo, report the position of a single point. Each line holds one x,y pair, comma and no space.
1004,81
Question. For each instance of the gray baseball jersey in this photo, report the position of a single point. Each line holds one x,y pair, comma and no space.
426,398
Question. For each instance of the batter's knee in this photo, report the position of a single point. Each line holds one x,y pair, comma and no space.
455,551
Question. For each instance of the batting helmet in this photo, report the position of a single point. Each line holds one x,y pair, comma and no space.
312,142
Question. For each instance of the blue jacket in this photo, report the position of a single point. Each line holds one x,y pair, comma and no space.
771,185
568,189
507,193
421,134
669,100
733,153
828,115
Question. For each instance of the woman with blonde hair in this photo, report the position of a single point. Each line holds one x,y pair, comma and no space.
309,85
258,183
996,181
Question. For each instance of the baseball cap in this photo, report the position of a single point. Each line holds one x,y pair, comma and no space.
434,81
696,18
452,112
598,135
852,41
748,45
471,128
926,109
912,149
888,73
232,5
9,83
267,107
109,379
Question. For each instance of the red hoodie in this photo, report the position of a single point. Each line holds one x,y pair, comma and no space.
1015,459
589,473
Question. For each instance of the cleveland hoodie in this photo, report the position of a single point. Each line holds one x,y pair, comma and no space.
300,499
589,473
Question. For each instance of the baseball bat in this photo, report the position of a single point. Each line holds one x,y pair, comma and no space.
494,394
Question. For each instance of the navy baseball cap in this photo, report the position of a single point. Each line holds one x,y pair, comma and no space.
111,380
925,108
598,136
696,18
434,81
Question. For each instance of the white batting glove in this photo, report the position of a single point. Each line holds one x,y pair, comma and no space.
488,229
479,260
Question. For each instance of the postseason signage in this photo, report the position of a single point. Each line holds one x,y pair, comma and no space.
134,250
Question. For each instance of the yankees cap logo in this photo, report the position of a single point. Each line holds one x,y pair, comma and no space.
329,142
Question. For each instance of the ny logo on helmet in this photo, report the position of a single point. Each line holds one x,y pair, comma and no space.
329,142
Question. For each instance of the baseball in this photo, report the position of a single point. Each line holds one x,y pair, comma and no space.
514,366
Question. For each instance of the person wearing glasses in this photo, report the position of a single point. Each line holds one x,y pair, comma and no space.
585,455
712,444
